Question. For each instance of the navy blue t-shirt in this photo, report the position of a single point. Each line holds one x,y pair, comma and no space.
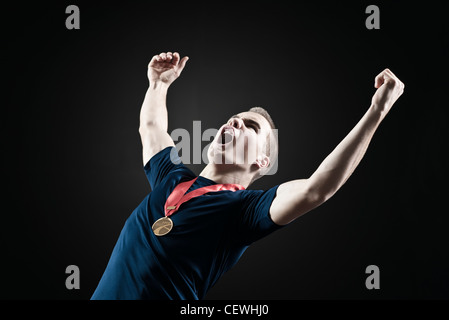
209,235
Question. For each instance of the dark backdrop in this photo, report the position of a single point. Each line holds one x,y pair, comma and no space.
72,169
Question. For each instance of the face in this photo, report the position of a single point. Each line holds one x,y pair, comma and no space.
241,141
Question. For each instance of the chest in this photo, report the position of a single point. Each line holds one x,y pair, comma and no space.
208,211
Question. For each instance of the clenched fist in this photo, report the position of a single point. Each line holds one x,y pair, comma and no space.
389,89
166,67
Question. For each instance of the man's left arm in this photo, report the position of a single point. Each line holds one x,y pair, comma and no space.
296,197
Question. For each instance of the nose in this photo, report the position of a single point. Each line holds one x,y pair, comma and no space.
235,122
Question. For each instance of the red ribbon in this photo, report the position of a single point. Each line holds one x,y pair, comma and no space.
178,196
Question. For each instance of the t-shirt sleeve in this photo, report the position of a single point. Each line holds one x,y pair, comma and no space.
163,163
256,221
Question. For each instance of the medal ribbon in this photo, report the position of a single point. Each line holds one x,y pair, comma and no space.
179,196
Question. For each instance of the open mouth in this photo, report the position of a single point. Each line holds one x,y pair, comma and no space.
226,136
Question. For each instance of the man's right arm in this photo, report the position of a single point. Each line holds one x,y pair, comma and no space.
162,71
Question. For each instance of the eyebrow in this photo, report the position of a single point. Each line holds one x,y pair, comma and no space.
249,121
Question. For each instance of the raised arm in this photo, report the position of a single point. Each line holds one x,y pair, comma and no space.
294,198
162,71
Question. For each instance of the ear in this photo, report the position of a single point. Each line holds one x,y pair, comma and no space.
262,161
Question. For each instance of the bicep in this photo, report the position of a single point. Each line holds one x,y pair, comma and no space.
293,199
153,141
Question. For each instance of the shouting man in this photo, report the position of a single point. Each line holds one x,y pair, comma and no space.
191,229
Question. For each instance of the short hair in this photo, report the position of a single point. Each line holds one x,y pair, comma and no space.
272,141
265,114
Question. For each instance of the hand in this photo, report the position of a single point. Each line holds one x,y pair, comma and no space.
166,67
389,89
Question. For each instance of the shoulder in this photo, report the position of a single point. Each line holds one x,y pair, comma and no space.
258,194
168,154
165,164
254,214
257,201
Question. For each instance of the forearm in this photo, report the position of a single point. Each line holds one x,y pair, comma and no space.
342,161
154,108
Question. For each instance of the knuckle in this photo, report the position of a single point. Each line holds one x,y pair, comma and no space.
392,82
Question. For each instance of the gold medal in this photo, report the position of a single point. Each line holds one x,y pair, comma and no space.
178,196
162,226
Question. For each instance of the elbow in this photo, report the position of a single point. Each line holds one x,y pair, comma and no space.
317,194
143,128
317,198
148,126
145,124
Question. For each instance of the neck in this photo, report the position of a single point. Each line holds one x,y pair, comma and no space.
224,174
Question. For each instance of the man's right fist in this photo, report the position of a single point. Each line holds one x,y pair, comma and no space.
166,67
389,89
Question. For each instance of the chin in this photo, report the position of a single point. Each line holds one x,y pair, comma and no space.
217,155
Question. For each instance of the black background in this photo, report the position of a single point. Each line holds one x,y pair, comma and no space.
72,168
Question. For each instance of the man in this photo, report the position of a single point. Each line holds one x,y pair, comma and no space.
190,230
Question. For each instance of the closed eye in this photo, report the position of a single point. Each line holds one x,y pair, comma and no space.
251,124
